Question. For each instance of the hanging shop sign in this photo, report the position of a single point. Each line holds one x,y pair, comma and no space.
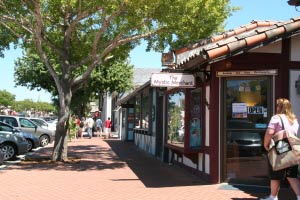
270,72
173,80
167,59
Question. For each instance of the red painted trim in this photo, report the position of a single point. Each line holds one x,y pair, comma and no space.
214,128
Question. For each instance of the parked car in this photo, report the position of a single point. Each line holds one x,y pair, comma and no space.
44,124
53,122
12,145
33,141
26,125
47,119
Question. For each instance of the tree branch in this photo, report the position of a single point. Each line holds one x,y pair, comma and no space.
104,26
39,41
22,24
117,41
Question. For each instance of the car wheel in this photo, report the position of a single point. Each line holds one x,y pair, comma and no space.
44,140
9,151
29,145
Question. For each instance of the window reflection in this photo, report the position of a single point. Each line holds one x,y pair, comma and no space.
137,113
145,112
176,114
246,118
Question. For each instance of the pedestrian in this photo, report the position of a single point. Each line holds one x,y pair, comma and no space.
283,111
81,127
107,129
99,126
90,125
77,129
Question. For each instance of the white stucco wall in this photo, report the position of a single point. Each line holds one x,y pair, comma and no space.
295,48
106,111
271,48
145,142
294,97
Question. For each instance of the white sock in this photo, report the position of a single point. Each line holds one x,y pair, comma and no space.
298,197
274,197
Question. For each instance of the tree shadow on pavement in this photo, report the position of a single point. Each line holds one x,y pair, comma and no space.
82,158
151,171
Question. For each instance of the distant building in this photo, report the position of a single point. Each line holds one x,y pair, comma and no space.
110,109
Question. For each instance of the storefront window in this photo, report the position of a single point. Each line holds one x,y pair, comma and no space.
137,112
176,113
195,122
247,110
145,112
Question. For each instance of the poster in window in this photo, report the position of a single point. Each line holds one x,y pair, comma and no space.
195,122
239,110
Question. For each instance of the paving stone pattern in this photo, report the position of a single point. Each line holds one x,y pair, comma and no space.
111,170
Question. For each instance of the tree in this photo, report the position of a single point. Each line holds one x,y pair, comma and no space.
73,37
6,98
28,104
114,75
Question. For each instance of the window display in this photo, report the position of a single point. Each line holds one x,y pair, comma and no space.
145,112
137,112
176,114
195,122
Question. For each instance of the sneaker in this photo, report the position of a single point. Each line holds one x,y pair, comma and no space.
269,198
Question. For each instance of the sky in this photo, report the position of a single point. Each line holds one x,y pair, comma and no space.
250,10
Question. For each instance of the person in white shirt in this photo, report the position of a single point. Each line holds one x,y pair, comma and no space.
89,125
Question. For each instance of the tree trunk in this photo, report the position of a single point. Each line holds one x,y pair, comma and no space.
60,151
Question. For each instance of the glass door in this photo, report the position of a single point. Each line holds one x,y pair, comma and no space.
247,110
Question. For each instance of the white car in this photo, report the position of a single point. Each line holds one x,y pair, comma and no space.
44,124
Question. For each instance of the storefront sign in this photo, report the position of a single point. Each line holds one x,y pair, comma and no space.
247,73
173,80
255,110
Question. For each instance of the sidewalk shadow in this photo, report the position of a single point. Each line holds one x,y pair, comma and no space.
81,158
259,191
154,173
151,171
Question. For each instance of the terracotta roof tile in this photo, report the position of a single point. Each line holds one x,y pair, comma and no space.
237,40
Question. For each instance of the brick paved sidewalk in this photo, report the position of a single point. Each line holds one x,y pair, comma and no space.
114,170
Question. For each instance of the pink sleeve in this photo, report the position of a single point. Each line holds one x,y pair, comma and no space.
275,123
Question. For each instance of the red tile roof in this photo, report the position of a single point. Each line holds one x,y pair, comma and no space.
236,41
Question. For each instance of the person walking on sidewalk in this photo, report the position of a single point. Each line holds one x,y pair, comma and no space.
90,125
283,110
107,127
99,126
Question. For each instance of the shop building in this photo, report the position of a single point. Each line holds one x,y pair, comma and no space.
216,127
122,115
